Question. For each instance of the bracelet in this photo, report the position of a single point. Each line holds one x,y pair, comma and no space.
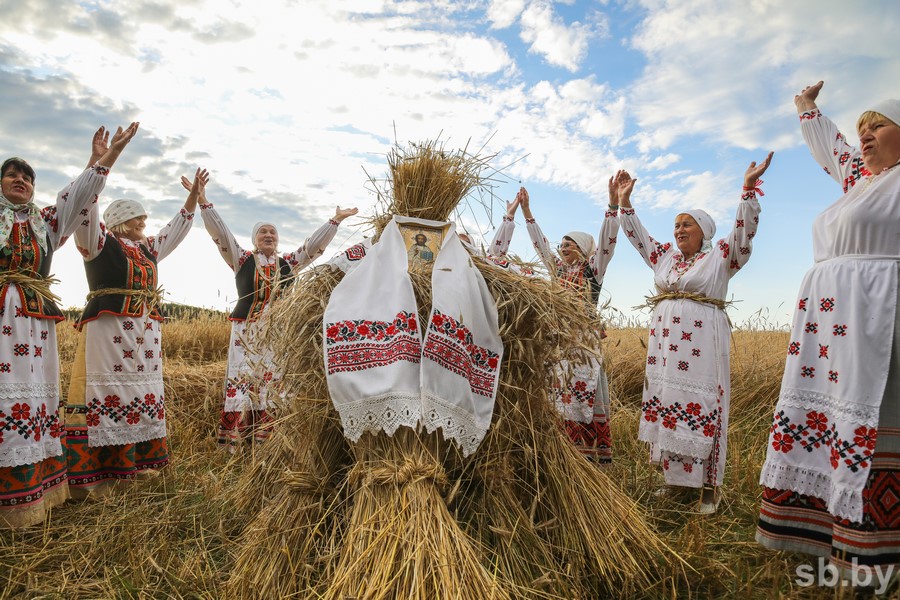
613,207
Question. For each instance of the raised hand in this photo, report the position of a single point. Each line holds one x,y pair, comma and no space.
806,99
120,139
342,213
196,189
99,145
755,171
512,207
624,185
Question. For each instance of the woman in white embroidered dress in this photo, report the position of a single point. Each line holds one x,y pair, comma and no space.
687,384
32,461
582,396
832,470
115,411
259,273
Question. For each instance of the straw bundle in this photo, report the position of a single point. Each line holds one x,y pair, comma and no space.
407,515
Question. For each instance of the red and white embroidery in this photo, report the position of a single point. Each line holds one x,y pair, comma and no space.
360,344
449,344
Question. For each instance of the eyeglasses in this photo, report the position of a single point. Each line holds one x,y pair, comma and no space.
566,244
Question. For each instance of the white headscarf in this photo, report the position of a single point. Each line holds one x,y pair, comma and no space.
888,108
584,241
123,210
256,228
707,226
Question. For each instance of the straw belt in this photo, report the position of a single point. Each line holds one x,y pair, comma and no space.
39,285
152,298
652,301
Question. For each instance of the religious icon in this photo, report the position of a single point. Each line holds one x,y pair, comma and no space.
422,243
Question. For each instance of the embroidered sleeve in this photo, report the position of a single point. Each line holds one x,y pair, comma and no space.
171,235
649,249
90,235
829,147
222,237
502,237
313,247
736,248
606,245
73,204
541,245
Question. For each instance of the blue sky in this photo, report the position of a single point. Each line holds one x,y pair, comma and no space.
289,105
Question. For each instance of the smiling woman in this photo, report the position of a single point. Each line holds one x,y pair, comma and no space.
115,411
687,383
832,470
32,463
260,275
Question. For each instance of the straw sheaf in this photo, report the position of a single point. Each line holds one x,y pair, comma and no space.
530,517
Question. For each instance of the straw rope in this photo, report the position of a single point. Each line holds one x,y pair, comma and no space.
406,472
38,285
652,301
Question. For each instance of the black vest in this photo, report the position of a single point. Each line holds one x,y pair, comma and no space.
114,267
23,254
254,292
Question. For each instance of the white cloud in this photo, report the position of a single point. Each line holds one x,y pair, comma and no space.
504,13
560,44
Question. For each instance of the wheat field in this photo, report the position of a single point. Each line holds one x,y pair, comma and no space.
175,536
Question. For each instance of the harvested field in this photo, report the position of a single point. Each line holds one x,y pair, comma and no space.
176,536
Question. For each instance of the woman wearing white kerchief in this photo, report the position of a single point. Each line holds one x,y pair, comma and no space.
115,411
259,273
32,461
687,387
581,391
832,470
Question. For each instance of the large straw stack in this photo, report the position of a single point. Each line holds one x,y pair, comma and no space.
407,516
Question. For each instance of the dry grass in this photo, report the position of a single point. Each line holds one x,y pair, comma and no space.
177,536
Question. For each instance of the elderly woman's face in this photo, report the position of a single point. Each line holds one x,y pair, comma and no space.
688,235
17,186
880,144
267,239
135,228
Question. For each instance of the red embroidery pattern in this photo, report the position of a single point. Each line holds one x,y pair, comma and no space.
112,407
30,425
576,391
360,344
449,344
819,431
673,415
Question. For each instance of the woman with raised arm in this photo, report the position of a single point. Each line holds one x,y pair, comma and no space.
115,411
832,470
32,461
260,274
581,391
687,383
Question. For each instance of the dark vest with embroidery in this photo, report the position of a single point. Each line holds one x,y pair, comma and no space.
582,281
254,292
23,254
119,267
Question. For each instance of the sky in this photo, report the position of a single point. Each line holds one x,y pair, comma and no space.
293,105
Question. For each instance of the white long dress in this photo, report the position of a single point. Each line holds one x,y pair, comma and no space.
832,470
687,389
32,464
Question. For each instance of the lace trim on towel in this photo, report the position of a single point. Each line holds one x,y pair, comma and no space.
380,413
455,424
